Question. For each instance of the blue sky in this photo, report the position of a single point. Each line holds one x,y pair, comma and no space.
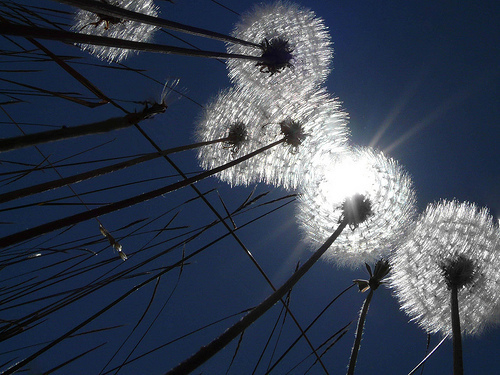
419,80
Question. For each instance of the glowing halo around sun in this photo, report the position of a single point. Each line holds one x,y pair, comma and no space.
370,173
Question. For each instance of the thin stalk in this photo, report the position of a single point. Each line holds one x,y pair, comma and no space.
427,356
35,189
208,351
458,365
101,7
70,333
359,333
307,329
70,37
96,212
99,127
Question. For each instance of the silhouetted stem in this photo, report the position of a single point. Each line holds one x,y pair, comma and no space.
25,192
96,212
70,37
458,366
208,351
100,7
105,126
359,333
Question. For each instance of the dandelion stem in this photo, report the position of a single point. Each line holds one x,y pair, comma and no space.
458,366
114,11
35,189
96,212
359,333
70,37
108,125
208,351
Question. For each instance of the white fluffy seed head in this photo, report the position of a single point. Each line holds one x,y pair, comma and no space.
318,121
448,231
232,110
308,123
307,37
381,180
94,24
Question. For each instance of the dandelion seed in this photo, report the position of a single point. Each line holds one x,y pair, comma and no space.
101,25
295,42
452,244
367,174
115,244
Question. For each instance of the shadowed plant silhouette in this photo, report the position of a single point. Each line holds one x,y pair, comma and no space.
380,271
206,352
445,274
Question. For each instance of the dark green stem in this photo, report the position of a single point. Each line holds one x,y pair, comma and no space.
70,37
359,333
100,7
458,366
96,212
208,351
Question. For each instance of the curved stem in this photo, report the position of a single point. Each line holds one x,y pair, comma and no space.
208,351
458,366
359,333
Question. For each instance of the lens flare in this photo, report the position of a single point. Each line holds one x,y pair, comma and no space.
381,180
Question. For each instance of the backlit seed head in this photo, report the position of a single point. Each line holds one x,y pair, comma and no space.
277,55
304,124
238,134
234,114
293,38
458,271
451,243
367,179
308,123
97,24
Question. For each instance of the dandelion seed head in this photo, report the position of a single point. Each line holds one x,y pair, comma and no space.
94,24
451,243
309,123
294,31
306,123
366,173
278,56
234,114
